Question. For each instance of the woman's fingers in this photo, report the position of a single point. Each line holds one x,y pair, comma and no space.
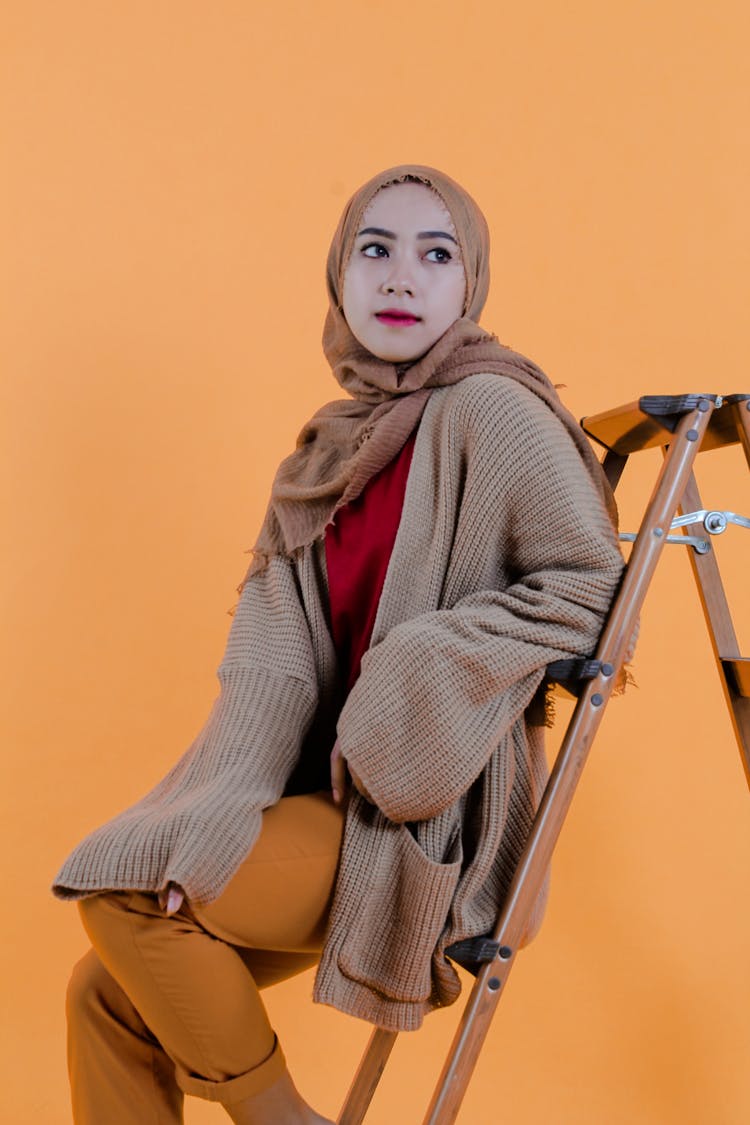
171,899
338,774
174,900
341,772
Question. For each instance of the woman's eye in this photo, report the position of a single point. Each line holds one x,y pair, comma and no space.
443,254
375,250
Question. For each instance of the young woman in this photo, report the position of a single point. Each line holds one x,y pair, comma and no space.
363,786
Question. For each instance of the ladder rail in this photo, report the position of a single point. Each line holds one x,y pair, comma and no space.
720,627
741,412
366,1079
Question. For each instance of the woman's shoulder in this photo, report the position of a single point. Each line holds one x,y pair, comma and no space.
488,402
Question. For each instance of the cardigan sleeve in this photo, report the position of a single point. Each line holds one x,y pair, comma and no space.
197,824
440,691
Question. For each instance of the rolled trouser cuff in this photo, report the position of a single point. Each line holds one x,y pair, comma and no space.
236,1089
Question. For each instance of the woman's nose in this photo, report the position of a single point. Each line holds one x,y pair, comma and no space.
399,286
398,280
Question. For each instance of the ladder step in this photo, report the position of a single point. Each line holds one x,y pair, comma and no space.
737,671
569,677
576,668
472,953
649,423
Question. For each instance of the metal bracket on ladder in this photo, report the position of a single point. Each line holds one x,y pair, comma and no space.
714,522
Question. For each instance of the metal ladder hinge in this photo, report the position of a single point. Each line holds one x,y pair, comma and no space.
714,522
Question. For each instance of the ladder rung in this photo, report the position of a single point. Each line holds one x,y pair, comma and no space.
737,671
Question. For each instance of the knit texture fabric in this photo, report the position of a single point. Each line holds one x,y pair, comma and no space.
505,560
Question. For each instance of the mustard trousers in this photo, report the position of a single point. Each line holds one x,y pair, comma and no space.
168,1005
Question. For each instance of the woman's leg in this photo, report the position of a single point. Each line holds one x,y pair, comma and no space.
289,874
193,990
116,1066
118,1071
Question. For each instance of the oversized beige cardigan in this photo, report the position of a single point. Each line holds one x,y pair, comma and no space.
505,560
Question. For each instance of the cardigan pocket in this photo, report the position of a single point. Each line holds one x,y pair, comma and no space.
389,946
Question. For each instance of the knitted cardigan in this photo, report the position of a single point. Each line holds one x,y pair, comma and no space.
505,560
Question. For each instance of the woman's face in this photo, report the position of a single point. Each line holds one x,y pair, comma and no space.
404,284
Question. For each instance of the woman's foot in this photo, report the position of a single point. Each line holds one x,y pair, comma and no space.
280,1104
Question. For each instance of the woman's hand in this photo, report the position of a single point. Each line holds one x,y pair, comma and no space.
171,898
340,774
339,779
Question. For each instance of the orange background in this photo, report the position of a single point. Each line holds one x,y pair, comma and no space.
173,174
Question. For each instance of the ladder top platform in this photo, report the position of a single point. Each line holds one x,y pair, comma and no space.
650,422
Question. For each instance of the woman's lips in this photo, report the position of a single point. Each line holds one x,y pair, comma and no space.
396,317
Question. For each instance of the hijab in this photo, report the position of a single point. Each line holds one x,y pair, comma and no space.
349,440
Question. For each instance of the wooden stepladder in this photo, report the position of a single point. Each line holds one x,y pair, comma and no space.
682,426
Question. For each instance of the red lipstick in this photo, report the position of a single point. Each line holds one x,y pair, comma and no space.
396,317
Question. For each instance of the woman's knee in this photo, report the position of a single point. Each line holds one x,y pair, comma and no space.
93,995
110,920
89,988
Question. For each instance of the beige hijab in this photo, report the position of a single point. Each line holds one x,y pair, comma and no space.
349,440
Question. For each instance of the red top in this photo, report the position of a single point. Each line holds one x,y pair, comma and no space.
358,549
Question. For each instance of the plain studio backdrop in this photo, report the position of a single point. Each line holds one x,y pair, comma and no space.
173,173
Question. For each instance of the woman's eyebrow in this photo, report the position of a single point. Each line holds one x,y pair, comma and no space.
436,234
377,230
422,234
